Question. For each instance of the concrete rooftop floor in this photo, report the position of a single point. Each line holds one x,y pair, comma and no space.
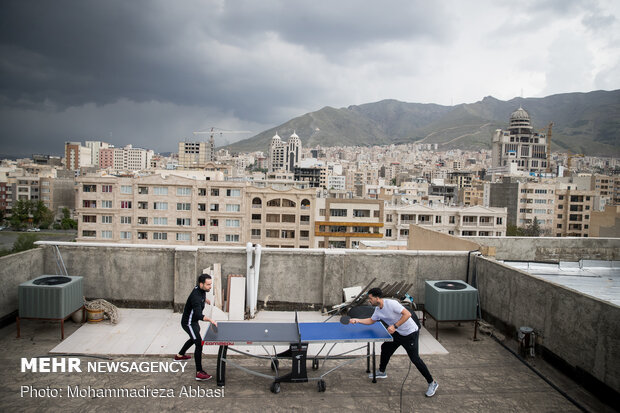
476,376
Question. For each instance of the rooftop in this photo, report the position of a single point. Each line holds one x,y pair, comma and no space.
475,376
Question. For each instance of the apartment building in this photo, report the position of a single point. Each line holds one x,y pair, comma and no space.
460,221
572,212
283,155
127,158
343,223
178,210
195,154
537,202
77,156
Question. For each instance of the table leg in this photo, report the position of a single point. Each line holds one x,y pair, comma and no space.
374,364
62,329
367,357
221,366
17,322
436,330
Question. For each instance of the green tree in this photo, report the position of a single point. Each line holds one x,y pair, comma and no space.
533,230
20,213
24,242
41,215
67,222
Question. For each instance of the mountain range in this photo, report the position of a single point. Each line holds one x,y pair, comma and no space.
583,123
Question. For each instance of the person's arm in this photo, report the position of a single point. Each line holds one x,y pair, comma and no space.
367,321
405,315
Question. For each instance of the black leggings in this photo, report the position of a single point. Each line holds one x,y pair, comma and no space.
410,343
193,330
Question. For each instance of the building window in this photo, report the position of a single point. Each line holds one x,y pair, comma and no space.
143,221
125,220
142,235
161,206
183,236
143,205
437,219
388,232
160,221
214,207
215,192
256,233
89,234
88,188
183,222
452,219
388,217
360,213
106,219
232,238
232,222
322,212
499,221
125,204
233,207
184,191
125,235
162,236
338,212
202,237
160,190
106,204
143,190
106,188
183,206
125,189
213,222
213,237
202,192
233,192
106,234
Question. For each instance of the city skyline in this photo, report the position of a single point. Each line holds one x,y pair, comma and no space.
150,74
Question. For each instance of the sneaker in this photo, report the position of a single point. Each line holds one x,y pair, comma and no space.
183,357
202,376
432,388
380,375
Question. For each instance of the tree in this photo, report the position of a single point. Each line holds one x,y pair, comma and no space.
24,242
533,230
67,222
20,213
41,215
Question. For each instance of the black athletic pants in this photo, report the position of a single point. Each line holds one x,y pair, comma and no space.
193,330
410,343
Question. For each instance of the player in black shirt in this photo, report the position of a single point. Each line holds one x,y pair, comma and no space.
192,313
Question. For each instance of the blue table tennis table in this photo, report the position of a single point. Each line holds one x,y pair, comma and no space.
297,336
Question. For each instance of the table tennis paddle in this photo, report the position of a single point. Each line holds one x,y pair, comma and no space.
345,319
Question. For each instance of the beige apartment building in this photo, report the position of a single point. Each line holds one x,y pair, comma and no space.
460,221
177,210
572,211
343,223
537,201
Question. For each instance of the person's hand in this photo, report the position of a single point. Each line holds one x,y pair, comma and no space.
391,329
207,301
214,322
353,321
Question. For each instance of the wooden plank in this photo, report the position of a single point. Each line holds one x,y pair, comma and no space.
236,308
217,285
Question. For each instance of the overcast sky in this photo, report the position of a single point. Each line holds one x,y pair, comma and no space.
149,73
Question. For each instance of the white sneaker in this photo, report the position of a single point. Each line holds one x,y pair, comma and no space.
380,375
432,388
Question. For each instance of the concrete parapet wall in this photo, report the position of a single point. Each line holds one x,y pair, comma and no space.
548,249
14,270
581,330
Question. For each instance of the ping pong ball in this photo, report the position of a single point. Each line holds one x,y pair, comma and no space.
266,331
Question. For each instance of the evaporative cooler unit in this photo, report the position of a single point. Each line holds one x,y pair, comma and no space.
50,297
451,300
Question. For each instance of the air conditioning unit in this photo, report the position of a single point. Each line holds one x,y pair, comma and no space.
50,296
450,300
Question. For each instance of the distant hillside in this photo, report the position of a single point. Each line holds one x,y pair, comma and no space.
587,123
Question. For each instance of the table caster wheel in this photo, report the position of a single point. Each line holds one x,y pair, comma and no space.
321,385
275,364
275,388
315,364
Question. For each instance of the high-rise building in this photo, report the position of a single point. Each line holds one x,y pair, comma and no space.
520,145
283,155
77,156
195,154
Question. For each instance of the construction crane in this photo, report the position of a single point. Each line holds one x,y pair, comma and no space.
549,146
570,159
215,130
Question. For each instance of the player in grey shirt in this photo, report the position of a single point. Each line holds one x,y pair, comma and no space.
404,331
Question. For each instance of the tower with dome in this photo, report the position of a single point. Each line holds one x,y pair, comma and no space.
520,146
